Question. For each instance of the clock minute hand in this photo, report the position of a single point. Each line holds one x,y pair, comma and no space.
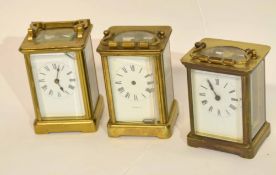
57,72
217,97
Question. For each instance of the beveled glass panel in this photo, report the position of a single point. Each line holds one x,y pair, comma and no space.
257,93
224,52
134,36
92,75
168,77
52,35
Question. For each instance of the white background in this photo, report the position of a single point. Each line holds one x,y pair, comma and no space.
23,152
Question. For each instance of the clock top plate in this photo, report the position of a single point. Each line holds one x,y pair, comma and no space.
56,36
135,39
229,50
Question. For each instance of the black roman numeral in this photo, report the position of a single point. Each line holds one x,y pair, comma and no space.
71,87
132,68
148,75
121,89
127,95
44,87
47,68
54,66
204,102
149,90
135,97
124,69
232,107
217,81
202,94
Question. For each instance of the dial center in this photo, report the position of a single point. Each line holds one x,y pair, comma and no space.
217,97
133,82
57,81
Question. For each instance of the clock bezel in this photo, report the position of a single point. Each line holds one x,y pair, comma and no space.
248,148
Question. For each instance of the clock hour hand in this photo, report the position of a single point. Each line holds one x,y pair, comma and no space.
217,97
60,87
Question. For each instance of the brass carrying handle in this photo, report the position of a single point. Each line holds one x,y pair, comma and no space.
79,27
249,54
130,44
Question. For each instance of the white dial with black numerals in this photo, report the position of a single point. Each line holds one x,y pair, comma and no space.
134,82
133,88
217,105
56,79
57,84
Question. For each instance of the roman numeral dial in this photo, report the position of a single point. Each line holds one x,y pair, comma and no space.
57,80
134,82
218,96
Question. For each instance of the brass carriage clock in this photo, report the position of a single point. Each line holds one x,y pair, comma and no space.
138,79
62,76
226,84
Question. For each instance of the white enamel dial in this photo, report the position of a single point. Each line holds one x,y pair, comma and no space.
217,105
57,84
133,89
57,79
134,82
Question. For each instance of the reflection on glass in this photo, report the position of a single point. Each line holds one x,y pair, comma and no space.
224,52
134,36
92,76
168,77
52,35
257,91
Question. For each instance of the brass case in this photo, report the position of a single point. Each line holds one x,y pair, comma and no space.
90,121
109,47
249,147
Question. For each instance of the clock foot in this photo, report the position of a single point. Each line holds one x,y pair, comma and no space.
162,131
243,150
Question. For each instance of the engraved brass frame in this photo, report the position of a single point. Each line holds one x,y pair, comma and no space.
163,128
90,121
249,147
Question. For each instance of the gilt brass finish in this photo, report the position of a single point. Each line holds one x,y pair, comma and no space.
111,45
254,54
81,28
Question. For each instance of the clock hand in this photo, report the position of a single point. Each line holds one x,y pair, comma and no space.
217,97
57,72
60,87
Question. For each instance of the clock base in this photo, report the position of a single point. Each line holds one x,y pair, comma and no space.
162,131
244,150
72,125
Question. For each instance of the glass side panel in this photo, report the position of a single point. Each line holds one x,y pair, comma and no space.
168,77
92,75
53,35
225,52
257,91
134,36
